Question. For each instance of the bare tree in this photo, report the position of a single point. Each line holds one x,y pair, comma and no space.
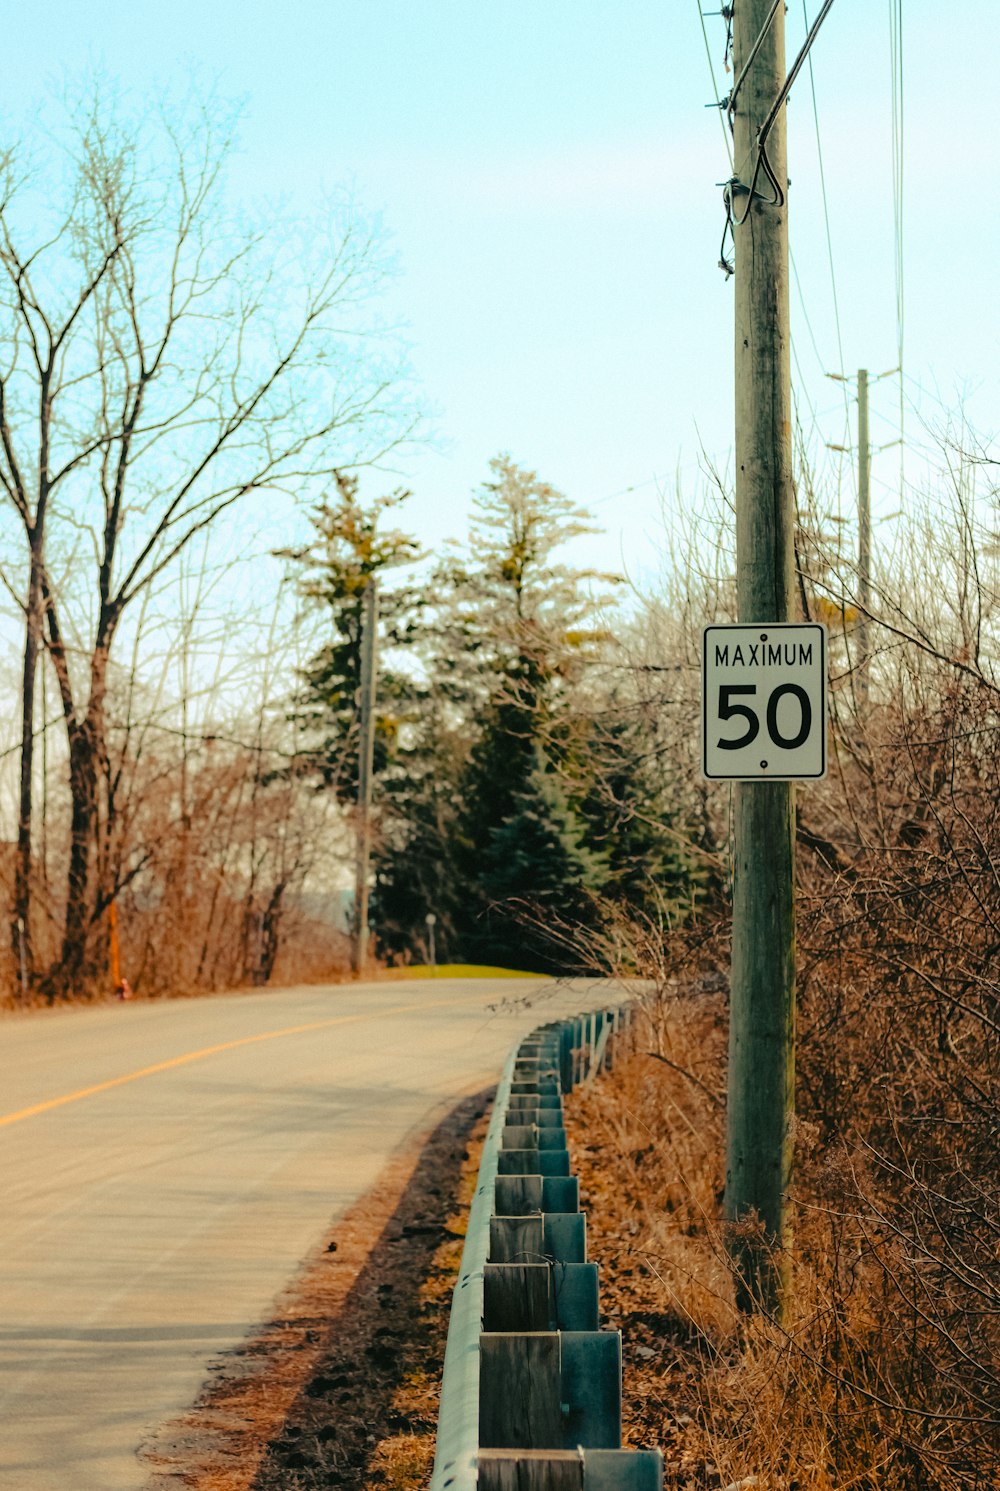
160,366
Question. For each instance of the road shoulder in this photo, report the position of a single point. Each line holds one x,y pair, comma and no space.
345,1374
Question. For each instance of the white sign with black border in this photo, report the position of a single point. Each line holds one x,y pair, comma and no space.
764,702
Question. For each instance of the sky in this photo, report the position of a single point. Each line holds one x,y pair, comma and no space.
548,175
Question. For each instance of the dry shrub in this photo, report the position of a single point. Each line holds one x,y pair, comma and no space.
882,1372
223,863
886,1369
898,1071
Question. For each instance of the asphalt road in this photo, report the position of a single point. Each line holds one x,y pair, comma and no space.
166,1167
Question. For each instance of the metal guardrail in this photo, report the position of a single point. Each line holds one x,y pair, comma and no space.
531,1392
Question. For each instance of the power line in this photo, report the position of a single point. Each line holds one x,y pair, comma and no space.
802,390
637,486
721,107
829,247
793,73
826,207
896,69
725,107
798,367
804,309
719,104
763,164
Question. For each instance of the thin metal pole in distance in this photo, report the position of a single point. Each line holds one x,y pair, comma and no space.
762,1010
366,753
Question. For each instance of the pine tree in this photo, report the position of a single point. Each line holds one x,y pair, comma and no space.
506,647
415,855
520,799
349,548
539,871
527,620
635,814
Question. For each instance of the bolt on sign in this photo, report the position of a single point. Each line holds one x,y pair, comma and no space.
764,702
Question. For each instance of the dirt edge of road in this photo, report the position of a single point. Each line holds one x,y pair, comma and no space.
340,1386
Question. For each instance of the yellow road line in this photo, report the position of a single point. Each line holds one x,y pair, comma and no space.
246,1040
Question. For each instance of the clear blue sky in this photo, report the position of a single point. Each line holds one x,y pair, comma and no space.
548,174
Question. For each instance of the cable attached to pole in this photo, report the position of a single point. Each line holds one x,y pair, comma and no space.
731,101
762,163
793,73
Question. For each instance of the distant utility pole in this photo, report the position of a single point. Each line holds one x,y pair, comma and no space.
762,1009
366,751
864,533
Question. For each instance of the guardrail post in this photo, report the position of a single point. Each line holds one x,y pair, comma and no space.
540,1296
516,1297
591,1470
519,1195
519,1391
529,1472
577,1400
543,1235
547,1380
591,1376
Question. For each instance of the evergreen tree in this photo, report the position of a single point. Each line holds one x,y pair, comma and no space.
527,621
634,812
519,797
489,742
414,859
539,871
351,547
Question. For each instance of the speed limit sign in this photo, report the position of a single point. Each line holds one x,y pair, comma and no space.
763,708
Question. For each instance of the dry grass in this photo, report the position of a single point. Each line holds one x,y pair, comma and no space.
843,1392
402,1463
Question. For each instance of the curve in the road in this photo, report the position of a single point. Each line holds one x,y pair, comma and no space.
187,1056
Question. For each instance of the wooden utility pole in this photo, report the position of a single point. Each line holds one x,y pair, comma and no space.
864,533
762,1011
366,751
